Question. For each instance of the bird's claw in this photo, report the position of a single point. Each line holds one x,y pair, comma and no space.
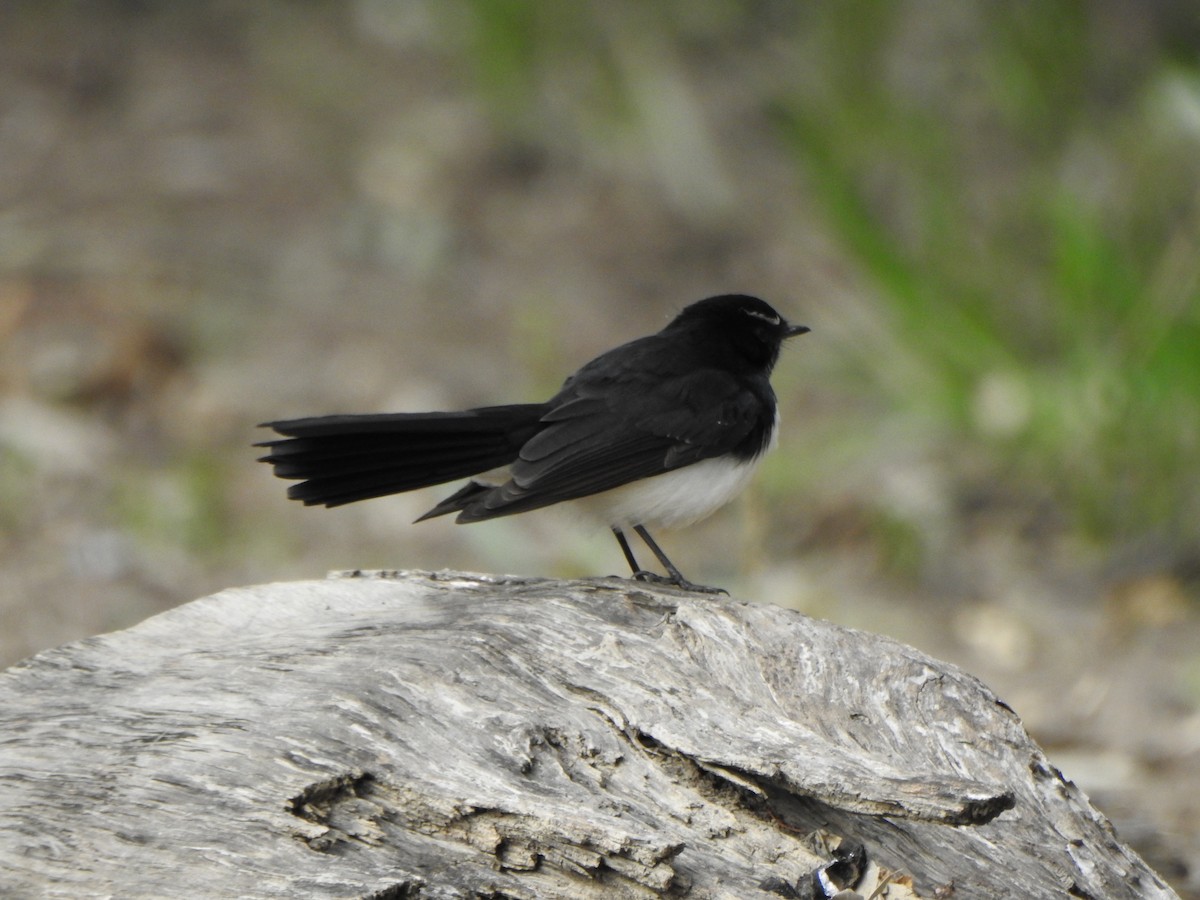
682,583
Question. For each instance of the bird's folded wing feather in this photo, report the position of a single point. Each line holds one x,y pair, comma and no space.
601,436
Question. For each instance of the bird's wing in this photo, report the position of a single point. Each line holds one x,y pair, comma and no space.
600,434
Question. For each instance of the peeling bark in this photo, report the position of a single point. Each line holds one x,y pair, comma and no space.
455,736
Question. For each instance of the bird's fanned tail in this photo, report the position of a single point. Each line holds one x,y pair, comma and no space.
342,459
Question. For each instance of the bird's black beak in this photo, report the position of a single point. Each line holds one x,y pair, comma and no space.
794,330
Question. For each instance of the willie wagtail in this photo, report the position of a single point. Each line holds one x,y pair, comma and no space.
660,431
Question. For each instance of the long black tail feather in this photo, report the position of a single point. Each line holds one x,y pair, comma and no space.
342,459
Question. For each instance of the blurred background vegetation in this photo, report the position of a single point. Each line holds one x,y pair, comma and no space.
215,213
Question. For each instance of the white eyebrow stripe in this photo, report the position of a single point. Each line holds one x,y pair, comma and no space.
774,320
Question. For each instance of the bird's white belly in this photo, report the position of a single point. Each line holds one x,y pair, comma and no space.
676,498
680,497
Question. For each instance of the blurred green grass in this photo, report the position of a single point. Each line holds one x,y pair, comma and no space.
1054,323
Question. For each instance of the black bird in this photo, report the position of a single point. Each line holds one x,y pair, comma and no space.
662,430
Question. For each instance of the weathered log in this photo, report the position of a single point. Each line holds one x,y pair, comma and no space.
452,735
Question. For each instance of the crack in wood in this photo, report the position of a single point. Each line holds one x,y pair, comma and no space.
359,807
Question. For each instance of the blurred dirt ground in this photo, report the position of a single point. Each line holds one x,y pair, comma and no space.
220,213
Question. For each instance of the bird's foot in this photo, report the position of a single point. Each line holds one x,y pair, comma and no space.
676,581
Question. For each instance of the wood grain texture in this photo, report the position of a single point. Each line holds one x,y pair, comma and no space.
452,736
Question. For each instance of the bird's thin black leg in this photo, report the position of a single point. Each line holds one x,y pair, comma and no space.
629,557
639,573
676,577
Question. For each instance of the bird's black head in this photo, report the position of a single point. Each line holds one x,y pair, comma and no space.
742,326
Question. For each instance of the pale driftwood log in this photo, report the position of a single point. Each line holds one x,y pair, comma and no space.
451,736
